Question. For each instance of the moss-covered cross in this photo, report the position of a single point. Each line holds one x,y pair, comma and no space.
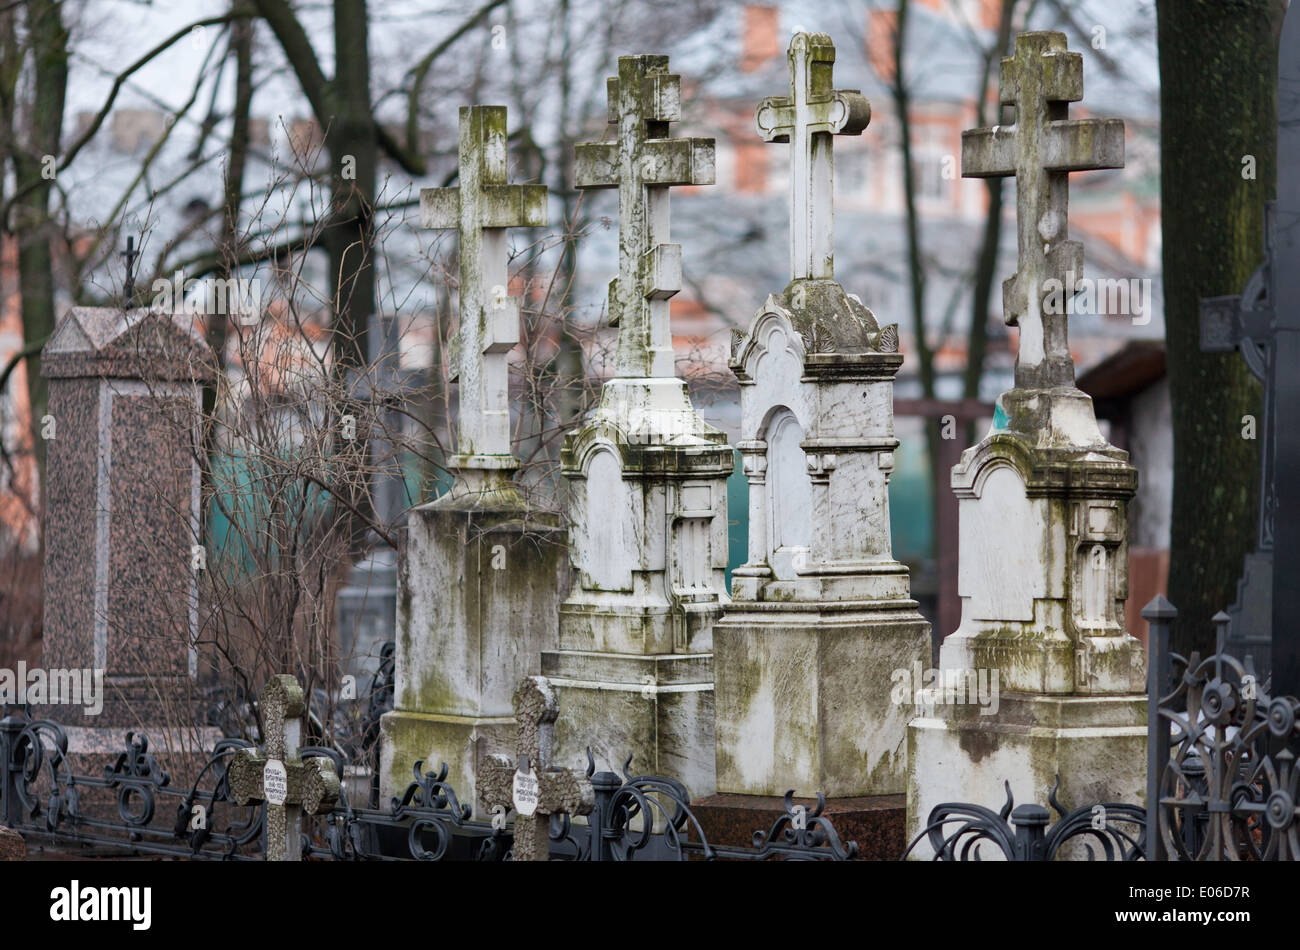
808,119
1040,150
288,785
530,785
643,99
482,208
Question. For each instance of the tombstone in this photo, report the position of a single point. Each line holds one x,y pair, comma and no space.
289,785
1043,556
528,784
1263,325
821,612
647,477
122,522
484,571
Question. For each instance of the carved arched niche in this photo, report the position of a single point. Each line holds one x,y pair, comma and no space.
789,495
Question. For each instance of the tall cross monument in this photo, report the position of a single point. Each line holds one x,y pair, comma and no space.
485,568
821,613
1042,508
647,476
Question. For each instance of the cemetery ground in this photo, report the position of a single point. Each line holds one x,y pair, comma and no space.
527,573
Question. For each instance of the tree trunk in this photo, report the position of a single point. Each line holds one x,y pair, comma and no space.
1218,103
49,45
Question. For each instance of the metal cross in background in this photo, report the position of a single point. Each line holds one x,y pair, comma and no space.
530,785
482,208
642,165
288,785
128,286
1041,150
807,119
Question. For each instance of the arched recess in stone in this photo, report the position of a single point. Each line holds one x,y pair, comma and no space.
789,494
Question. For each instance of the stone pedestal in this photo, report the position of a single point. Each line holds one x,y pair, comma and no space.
122,543
479,587
648,502
873,822
1043,581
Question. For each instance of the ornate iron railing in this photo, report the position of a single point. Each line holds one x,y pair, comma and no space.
1222,774
636,817
958,831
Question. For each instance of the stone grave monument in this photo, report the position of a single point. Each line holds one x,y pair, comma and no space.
484,569
529,785
821,613
122,522
1043,510
647,477
289,785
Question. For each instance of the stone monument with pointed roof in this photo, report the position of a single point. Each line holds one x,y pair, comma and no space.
1043,571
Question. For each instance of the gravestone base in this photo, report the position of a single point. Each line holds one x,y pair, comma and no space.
806,698
479,585
657,708
462,742
1097,745
876,823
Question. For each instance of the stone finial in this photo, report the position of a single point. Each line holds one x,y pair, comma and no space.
288,785
807,119
643,164
1040,150
482,208
531,786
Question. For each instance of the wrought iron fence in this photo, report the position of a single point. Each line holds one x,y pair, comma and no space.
133,805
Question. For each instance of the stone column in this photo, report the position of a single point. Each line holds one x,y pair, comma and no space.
822,614
647,479
484,570
1042,500
122,544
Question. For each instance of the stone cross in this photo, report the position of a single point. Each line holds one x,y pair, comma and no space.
807,119
288,785
482,208
531,786
1264,324
1040,150
643,164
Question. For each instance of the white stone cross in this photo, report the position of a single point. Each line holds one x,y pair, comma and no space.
482,208
807,119
643,164
1041,150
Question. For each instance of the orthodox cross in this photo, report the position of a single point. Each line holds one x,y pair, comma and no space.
1264,324
531,786
482,208
643,164
1041,150
128,286
289,785
808,119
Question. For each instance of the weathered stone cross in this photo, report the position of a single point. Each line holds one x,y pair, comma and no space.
1040,150
287,784
482,208
807,119
530,785
643,164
